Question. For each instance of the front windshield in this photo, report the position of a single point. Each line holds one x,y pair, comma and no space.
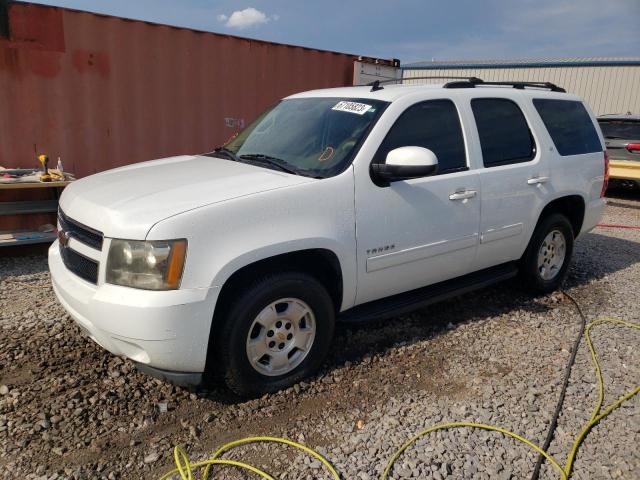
311,136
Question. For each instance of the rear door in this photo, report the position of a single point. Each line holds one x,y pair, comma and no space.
514,179
575,152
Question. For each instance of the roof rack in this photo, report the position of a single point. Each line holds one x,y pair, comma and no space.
377,84
472,82
446,77
469,82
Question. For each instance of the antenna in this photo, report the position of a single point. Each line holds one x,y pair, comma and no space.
375,86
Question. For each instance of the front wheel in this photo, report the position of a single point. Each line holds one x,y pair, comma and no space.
275,332
546,260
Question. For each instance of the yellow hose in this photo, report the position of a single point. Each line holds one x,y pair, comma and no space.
482,426
185,469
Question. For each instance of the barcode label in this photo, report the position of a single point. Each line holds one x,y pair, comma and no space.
352,107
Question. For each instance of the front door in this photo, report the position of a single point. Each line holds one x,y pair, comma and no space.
417,232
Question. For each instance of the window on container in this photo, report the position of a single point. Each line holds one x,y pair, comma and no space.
505,137
433,124
569,125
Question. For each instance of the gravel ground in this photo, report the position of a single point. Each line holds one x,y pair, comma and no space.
68,409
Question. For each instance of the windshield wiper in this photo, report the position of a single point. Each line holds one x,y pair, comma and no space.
269,160
225,153
614,137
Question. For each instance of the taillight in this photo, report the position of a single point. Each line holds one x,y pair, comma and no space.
634,147
605,183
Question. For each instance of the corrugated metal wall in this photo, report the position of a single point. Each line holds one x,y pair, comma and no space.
607,89
102,91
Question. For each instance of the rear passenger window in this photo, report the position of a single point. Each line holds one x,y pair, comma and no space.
569,125
505,137
433,124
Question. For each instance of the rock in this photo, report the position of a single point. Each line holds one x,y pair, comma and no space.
58,451
152,457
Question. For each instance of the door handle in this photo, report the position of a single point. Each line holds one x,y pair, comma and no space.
462,195
537,180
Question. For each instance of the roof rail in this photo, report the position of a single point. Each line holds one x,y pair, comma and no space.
519,85
400,80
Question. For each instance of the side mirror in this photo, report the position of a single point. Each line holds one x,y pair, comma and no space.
405,163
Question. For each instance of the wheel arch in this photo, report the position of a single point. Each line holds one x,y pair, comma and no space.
322,263
571,206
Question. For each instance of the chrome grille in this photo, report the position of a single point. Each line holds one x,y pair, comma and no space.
82,266
80,232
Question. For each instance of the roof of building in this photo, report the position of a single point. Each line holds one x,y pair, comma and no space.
525,63
619,116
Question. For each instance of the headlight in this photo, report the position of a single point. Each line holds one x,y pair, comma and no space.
152,265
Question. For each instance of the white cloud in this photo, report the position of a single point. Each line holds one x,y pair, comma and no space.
249,17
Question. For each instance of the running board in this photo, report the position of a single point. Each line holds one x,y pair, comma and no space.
406,302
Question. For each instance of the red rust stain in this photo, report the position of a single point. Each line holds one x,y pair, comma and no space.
44,64
9,61
36,27
90,62
102,63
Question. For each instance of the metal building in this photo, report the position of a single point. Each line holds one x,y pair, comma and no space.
609,84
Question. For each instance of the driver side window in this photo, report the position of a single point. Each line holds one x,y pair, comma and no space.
433,124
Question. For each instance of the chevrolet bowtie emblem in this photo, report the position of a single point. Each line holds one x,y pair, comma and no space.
63,237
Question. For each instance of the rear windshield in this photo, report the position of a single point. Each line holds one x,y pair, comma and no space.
569,125
624,129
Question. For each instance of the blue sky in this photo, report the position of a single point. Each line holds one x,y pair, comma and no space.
411,30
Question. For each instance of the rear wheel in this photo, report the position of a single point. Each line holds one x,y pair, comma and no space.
274,333
546,261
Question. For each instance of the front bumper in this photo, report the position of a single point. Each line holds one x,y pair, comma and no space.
165,330
182,379
624,170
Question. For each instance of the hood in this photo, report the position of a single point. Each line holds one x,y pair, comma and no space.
126,202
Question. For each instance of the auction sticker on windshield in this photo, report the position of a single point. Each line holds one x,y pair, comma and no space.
352,107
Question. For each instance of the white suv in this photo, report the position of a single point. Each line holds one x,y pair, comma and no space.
347,203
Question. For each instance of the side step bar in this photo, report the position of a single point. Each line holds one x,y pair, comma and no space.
421,297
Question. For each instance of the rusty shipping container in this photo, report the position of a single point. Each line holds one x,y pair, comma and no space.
102,91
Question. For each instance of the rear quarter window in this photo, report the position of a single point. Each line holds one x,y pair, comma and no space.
569,125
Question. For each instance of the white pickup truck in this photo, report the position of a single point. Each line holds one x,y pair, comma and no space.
348,203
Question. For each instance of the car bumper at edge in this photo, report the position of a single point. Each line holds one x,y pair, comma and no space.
165,332
624,170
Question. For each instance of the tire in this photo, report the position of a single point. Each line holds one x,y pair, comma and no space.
278,299
540,267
